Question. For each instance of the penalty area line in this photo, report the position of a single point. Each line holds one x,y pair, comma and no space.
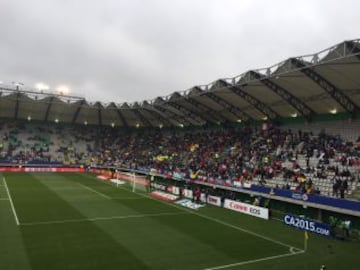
95,191
255,260
11,203
100,218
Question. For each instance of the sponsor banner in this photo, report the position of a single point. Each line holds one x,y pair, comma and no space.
299,196
324,200
164,196
188,193
214,200
248,209
158,186
102,177
307,224
189,204
41,169
203,197
49,169
117,181
175,190
11,169
169,189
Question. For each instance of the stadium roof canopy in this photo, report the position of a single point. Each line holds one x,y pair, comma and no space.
327,81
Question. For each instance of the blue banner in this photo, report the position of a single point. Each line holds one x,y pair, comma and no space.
307,224
335,202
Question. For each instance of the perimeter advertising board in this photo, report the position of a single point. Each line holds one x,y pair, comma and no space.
248,209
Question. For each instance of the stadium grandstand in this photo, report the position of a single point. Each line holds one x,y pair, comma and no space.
280,110
283,139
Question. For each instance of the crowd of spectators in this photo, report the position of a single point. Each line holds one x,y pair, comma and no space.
242,155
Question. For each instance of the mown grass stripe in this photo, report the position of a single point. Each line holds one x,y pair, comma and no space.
208,218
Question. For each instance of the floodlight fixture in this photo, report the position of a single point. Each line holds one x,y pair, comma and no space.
63,90
41,86
333,111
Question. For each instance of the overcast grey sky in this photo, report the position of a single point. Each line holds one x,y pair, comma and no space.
131,50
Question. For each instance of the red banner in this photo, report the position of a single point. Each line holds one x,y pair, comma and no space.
41,169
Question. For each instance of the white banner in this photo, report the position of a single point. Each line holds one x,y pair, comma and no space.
189,204
203,197
175,190
248,209
187,193
214,200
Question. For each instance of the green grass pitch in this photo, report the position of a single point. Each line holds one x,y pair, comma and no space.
74,221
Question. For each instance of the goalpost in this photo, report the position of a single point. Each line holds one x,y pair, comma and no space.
134,181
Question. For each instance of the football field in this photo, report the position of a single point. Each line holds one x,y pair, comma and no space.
75,221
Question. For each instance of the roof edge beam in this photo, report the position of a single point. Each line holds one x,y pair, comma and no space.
78,109
205,111
351,47
48,108
172,114
343,100
294,101
99,114
231,108
158,116
17,105
142,118
186,111
259,105
121,117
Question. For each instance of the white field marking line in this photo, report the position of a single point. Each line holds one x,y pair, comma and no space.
101,218
95,191
254,261
215,220
4,199
11,203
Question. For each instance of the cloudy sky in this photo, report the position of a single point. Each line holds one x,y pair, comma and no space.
131,50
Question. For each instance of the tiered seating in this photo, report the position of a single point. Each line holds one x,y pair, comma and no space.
276,157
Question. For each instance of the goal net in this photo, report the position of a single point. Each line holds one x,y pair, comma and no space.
132,180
